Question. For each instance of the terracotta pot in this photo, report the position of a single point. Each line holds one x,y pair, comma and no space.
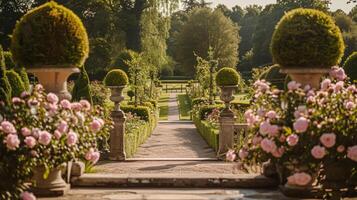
116,96
53,185
54,79
227,97
306,76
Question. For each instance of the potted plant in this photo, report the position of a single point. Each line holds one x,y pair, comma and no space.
51,42
116,80
227,79
306,44
50,133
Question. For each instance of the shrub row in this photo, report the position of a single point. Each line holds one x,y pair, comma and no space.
209,133
141,111
207,109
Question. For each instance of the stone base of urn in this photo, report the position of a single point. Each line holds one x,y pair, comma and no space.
52,186
306,76
54,79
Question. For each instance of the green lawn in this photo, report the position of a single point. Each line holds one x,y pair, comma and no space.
184,106
164,106
243,98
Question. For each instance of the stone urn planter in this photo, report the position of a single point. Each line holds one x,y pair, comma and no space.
52,186
54,79
227,97
306,76
116,96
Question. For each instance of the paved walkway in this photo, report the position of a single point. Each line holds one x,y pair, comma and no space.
174,114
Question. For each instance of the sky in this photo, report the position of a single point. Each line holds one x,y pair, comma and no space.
336,4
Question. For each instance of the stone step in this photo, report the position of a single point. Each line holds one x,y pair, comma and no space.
174,180
170,159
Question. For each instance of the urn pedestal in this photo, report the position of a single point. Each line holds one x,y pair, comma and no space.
52,186
306,76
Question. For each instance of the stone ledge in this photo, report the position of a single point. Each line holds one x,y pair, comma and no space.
174,180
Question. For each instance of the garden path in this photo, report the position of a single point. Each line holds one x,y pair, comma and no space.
174,114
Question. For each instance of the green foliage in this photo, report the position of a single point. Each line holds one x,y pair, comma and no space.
350,66
323,44
17,86
198,101
24,77
205,110
122,60
116,77
5,87
81,89
141,111
227,77
148,104
9,62
208,132
273,75
100,57
130,94
50,35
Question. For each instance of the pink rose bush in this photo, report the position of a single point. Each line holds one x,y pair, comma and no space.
39,123
302,128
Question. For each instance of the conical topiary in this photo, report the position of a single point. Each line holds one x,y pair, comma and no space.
24,77
17,86
81,89
21,71
5,88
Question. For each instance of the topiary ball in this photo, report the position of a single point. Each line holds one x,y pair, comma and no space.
350,66
307,38
227,77
116,77
50,35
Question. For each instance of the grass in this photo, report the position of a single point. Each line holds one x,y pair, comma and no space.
184,106
164,106
243,98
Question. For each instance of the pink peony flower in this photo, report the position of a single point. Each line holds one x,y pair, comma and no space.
8,127
278,152
250,117
256,140
85,104
44,138
338,73
273,130
57,134
52,107
96,125
299,179
231,155
351,88
16,100
30,142
352,153
350,105
95,157
62,127
341,148
301,125
52,98
35,132
72,138
318,152
292,140
38,87
32,102
338,86
12,141
325,84
243,154
76,106
25,131
293,85
328,139
261,112
271,114
261,85
268,146
27,196
264,128
24,94
65,104
282,138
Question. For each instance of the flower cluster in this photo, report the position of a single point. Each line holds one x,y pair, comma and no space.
302,128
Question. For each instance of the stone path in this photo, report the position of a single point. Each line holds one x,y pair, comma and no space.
173,114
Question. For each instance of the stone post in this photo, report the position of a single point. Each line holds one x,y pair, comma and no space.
117,135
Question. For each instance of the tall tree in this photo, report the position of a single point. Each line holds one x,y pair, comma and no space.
189,5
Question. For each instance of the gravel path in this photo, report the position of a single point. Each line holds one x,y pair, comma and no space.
174,114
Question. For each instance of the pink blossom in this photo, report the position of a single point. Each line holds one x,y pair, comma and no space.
350,105
318,152
32,102
85,104
325,84
278,152
293,85
16,100
65,104
36,132
72,138
301,125
307,88
57,134
52,107
338,86
25,131
95,157
24,94
282,138
96,125
256,140
292,140
250,117
261,112
27,196
352,153
62,127
76,106
264,128
38,87
328,139
310,93
261,85
299,179
243,154
8,127
30,142
338,73
340,148
268,145
33,153
273,130
231,155
12,141
44,138
271,114
351,88
52,98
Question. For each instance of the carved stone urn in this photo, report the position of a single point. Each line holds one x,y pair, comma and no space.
227,97
306,76
116,96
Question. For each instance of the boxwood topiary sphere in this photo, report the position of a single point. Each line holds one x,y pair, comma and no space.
116,77
50,35
227,77
350,66
307,38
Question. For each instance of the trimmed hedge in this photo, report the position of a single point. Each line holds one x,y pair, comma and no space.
81,89
141,111
350,66
227,77
50,35
150,105
116,77
307,38
207,109
197,101
209,133
17,86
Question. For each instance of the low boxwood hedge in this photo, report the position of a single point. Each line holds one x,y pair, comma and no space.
141,111
207,109
208,132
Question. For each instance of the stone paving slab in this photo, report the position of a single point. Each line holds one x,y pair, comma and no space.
174,114
171,194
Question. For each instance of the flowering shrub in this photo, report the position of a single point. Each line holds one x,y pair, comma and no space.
38,130
303,129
